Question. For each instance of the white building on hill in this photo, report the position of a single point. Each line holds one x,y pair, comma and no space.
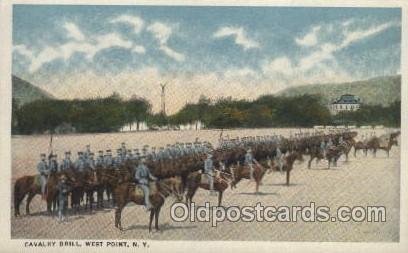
346,102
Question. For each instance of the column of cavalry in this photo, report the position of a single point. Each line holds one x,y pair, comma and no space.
182,168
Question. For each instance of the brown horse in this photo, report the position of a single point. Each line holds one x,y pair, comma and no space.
126,192
194,181
288,164
384,143
243,171
30,186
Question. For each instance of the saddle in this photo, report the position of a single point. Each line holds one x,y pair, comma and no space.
152,187
37,180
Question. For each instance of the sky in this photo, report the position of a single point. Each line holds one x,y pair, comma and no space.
242,52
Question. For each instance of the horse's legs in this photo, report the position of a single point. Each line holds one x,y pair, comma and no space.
287,177
151,220
118,218
310,162
190,194
219,197
28,201
156,218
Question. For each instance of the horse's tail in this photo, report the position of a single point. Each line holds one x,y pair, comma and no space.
17,196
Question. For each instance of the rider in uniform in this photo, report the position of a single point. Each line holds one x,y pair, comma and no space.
143,176
208,170
249,161
66,163
44,171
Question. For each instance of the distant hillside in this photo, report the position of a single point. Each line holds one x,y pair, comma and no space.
25,92
381,90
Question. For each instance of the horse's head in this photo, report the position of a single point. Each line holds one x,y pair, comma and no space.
393,142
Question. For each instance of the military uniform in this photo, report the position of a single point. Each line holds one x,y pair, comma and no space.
80,163
100,161
44,172
143,176
53,164
63,190
66,163
208,170
108,161
249,161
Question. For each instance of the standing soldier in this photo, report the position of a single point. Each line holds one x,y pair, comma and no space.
43,170
143,176
66,163
63,190
136,154
208,170
249,161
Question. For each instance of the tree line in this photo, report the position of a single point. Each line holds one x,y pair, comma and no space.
110,114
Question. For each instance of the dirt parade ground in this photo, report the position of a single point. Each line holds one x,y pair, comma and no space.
362,181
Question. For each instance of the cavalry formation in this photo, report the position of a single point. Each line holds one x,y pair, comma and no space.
180,169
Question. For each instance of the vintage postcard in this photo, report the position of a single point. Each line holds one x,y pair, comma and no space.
234,126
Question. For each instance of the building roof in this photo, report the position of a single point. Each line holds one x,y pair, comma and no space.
347,99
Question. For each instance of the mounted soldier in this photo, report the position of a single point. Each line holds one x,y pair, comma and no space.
100,160
80,163
44,172
142,177
208,171
90,162
87,151
123,149
66,163
249,162
108,162
53,164
279,159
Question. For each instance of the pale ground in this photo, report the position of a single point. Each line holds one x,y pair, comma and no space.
360,182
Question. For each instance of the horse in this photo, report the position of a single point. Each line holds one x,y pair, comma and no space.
30,186
243,171
289,160
125,192
194,181
384,142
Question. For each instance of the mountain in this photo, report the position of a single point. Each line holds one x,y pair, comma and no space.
25,92
379,90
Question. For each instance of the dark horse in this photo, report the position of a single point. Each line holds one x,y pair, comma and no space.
30,185
194,182
126,192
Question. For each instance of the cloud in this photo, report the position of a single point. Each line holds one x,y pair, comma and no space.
73,31
162,32
309,39
239,34
88,46
357,35
134,21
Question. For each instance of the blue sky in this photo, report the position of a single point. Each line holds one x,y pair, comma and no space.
243,52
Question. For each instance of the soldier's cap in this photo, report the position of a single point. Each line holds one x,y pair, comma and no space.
129,150
108,150
136,149
100,151
80,153
123,143
91,153
43,155
68,152
54,155
145,146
